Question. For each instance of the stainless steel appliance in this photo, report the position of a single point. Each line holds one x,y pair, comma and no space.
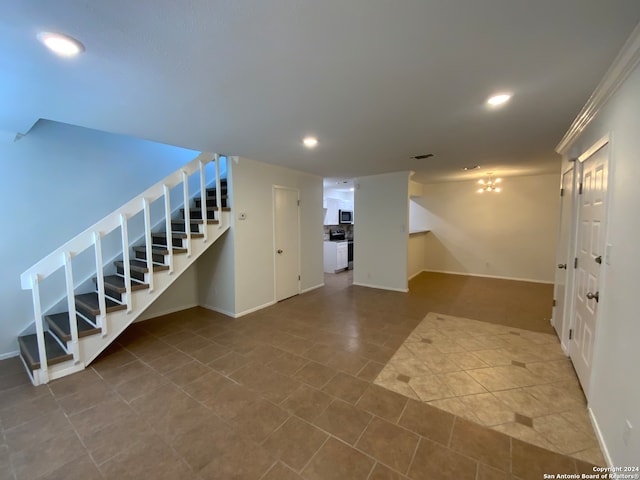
345,216
337,234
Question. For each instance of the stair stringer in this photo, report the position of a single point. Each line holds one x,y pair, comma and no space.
90,347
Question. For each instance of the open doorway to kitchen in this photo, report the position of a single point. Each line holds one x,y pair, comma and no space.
339,223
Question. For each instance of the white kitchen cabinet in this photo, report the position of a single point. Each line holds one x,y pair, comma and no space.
331,212
336,256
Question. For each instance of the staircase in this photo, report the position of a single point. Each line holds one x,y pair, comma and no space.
66,342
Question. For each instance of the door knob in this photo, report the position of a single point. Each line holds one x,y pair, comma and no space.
591,296
598,259
562,265
279,251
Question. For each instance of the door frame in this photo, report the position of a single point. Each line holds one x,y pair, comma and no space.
274,188
570,293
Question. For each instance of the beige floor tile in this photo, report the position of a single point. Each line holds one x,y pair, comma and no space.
460,383
343,420
562,434
295,442
524,433
522,402
430,388
455,406
488,409
392,445
591,455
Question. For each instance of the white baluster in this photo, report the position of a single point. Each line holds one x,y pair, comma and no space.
71,305
147,236
102,303
167,216
203,198
187,211
218,190
43,376
126,261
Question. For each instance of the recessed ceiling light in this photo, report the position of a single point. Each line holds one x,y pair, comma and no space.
310,142
499,99
62,45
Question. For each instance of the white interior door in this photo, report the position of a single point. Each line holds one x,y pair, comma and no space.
590,251
286,242
563,255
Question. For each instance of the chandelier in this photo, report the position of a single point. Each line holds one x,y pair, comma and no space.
489,185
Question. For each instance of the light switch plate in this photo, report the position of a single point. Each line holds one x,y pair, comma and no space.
607,253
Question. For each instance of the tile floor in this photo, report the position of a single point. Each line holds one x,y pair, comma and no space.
515,381
284,393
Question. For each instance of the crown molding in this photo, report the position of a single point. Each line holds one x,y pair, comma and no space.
621,68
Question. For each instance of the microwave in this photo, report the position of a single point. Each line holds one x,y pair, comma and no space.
345,216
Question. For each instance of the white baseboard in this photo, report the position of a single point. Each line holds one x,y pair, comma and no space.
241,314
166,312
598,432
403,290
313,288
4,356
499,277
415,275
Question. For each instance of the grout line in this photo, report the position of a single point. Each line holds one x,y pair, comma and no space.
453,425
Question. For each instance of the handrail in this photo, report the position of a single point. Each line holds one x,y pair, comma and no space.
55,260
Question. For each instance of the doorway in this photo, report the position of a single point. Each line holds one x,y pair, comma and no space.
286,241
590,245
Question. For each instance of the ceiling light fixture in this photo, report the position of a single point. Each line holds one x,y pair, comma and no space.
489,185
499,99
310,142
475,167
60,44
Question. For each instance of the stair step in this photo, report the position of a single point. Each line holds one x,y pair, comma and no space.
194,222
59,325
155,250
29,350
211,202
178,234
196,213
139,266
89,302
116,283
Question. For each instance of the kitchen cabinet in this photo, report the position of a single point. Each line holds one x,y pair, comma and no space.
336,256
332,205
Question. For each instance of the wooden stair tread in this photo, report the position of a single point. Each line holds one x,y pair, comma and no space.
209,209
116,283
29,350
178,234
196,220
140,266
59,324
159,250
89,301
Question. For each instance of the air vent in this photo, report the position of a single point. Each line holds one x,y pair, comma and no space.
422,157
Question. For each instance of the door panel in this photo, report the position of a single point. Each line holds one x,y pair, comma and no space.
287,242
562,258
590,243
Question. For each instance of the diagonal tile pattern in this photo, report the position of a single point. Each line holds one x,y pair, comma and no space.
289,393
512,380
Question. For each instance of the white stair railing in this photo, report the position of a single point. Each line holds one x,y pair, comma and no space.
92,237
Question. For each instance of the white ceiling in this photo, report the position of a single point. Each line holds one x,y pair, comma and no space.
375,80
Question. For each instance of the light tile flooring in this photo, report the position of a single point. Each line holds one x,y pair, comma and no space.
515,381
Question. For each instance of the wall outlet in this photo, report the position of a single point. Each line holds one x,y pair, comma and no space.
626,433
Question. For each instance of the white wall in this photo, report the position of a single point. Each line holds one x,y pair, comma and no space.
416,253
252,239
615,392
381,231
183,293
511,234
57,181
